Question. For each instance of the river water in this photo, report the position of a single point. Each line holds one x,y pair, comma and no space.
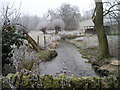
68,61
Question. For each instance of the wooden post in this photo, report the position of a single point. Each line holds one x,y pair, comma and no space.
50,37
33,43
44,41
38,40
28,45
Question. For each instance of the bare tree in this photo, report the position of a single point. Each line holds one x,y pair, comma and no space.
98,21
70,15
87,15
111,7
10,14
58,24
43,26
53,15
30,22
111,13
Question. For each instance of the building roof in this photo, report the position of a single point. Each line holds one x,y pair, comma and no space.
84,23
89,22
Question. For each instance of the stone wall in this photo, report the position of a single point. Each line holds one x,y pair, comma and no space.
27,80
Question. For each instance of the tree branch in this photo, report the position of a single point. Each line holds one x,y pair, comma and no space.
109,10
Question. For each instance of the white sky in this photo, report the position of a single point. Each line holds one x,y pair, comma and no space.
40,7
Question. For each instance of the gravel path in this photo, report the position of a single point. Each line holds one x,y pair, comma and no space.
68,61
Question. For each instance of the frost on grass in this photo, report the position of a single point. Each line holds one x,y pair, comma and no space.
91,42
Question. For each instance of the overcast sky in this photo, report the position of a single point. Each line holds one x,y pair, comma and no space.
40,7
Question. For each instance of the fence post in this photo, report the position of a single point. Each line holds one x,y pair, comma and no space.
44,41
38,40
28,45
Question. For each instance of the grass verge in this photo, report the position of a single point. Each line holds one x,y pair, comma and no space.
103,67
47,55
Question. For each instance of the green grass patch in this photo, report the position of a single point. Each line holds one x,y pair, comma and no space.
47,55
87,53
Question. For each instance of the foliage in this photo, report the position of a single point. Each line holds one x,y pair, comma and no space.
9,38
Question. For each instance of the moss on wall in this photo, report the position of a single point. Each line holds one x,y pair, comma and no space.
19,80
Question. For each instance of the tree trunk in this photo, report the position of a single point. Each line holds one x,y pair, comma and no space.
98,21
33,43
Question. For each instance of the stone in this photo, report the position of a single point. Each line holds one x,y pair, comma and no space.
79,39
54,45
115,62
